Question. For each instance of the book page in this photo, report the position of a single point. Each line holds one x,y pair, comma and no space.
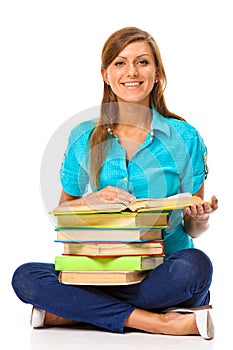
174,202
102,208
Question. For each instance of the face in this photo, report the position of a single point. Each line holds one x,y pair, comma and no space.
132,74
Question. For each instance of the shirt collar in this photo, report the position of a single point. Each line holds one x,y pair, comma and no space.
159,122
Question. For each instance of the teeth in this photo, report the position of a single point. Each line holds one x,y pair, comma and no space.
132,84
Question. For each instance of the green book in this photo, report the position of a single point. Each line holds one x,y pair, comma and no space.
126,263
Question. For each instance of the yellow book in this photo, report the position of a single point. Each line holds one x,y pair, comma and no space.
112,220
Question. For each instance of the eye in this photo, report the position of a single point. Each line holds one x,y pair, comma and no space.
143,62
119,63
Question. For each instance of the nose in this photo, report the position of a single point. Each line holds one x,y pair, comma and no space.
132,71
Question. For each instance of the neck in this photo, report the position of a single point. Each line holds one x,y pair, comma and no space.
134,115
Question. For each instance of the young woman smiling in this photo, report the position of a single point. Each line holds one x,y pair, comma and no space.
137,148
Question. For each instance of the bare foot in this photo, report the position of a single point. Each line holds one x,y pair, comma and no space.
172,323
54,320
175,323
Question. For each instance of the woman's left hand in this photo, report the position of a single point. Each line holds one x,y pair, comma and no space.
201,212
196,217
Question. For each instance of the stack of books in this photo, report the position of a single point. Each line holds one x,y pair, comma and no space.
112,244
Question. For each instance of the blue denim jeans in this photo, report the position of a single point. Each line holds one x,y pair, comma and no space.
182,280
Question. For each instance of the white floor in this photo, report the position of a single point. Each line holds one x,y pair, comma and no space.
18,334
61,339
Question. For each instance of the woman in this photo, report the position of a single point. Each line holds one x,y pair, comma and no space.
137,148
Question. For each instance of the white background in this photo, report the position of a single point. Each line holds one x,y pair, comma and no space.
50,71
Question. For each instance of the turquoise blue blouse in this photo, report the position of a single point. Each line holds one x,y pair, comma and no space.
171,160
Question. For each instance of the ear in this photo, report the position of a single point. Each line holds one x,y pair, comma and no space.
104,75
157,75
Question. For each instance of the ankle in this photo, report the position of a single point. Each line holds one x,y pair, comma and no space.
54,320
145,321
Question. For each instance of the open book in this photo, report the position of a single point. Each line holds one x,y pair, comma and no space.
179,201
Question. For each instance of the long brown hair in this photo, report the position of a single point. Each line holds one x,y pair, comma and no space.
112,47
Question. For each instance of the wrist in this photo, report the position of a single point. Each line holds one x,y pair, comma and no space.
195,225
197,217
74,202
201,218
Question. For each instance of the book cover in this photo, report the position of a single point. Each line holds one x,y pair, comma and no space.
107,249
97,234
102,277
85,263
114,220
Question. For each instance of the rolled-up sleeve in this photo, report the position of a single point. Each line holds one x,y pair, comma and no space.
74,170
195,170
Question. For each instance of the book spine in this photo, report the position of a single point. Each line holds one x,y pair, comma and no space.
99,241
108,249
79,235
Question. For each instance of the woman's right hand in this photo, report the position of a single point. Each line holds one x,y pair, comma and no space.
108,194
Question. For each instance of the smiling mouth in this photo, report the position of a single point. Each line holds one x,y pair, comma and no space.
132,84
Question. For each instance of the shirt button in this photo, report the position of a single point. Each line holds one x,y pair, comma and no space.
125,179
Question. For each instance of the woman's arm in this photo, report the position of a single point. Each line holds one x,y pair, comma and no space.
196,217
66,199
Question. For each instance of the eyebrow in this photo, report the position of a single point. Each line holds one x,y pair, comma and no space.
144,54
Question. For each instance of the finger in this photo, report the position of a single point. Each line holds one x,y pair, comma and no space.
214,202
108,193
207,207
193,210
116,195
119,193
125,196
199,209
187,211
